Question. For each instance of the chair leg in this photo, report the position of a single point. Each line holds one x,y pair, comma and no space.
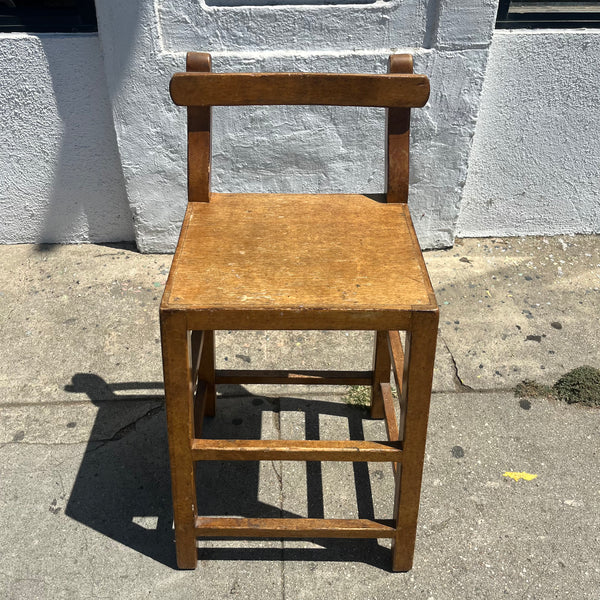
206,372
179,407
418,373
381,373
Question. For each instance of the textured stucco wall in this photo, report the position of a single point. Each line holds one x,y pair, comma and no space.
535,163
533,168
61,179
283,149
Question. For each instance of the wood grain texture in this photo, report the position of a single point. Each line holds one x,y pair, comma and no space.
199,407
240,376
206,372
398,138
419,359
317,450
319,262
293,528
381,373
336,89
196,339
399,364
391,424
180,422
397,355
198,128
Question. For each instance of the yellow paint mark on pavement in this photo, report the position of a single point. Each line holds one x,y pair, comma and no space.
521,475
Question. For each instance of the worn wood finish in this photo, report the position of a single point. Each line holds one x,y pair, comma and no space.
391,424
180,419
419,358
299,318
240,376
206,372
316,450
397,355
251,277
298,261
381,373
293,528
399,364
398,138
195,340
336,89
198,127
199,407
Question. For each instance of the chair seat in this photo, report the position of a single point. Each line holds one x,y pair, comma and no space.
275,261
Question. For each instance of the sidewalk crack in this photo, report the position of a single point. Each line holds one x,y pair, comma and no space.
459,384
127,429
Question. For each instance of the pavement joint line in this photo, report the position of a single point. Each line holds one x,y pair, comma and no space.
161,400
51,443
471,391
55,403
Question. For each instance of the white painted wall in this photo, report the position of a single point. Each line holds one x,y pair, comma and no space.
145,42
535,163
534,166
61,178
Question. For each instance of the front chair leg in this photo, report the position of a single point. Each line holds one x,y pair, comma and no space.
416,390
180,415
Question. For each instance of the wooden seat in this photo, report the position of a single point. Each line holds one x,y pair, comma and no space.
298,261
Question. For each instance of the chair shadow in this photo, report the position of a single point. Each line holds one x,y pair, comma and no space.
122,488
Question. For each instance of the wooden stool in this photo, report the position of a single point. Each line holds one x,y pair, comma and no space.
294,261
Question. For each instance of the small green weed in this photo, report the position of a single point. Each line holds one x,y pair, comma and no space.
358,395
581,385
529,388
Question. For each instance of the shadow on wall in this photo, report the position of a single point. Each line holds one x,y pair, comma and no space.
87,200
122,489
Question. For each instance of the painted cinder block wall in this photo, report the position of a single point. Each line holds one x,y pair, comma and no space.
535,162
92,148
284,149
60,176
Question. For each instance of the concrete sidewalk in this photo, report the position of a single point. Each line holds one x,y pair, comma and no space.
84,481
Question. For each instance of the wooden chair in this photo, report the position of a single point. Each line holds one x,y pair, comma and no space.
293,261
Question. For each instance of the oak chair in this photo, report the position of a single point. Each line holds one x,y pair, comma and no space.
298,261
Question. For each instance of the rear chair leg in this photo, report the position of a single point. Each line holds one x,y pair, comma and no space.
381,373
206,372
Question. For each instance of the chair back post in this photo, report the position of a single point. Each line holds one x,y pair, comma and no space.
398,138
199,89
198,129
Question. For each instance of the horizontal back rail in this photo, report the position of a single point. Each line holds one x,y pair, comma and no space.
334,89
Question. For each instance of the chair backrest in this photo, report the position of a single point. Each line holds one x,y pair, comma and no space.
199,89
